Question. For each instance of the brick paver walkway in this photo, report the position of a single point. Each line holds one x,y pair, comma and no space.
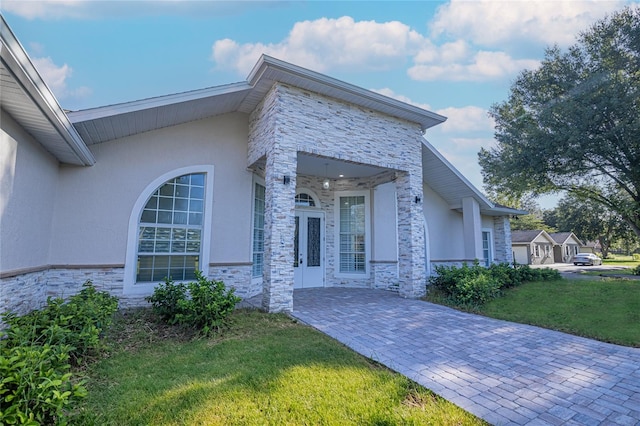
503,372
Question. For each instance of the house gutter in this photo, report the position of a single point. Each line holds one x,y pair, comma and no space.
18,63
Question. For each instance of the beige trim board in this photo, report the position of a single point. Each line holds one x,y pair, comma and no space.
34,269
217,265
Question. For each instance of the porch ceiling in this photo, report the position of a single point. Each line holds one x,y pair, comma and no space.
334,168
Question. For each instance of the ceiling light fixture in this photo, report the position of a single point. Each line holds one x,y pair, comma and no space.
325,183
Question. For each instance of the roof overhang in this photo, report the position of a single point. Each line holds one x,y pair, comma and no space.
453,187
116,121
27,98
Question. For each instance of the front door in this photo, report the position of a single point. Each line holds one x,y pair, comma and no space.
308,250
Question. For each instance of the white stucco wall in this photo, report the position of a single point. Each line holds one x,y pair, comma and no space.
94,204
28,184
446,239
384,220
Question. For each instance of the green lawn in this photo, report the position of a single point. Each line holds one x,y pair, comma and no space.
607,310
266,370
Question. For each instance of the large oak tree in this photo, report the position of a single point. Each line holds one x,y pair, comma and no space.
573,124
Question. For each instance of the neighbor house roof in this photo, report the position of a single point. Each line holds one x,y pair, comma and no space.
528,236
116,121
27,98
562,237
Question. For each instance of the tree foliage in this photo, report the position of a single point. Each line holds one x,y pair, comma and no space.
589,221
573,124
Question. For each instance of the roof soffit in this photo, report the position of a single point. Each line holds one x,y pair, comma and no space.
26,97
115,121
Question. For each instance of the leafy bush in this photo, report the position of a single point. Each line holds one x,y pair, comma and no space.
636,270
36,385
203,304
636,256
77,323
471,286
475,290
166,300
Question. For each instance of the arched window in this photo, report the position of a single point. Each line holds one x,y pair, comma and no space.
170,231
305,199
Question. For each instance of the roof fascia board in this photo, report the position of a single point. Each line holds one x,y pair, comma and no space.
480,197
20,65
265,62
157,102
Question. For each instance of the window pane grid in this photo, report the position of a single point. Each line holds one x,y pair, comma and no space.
258,230
170,233
352,234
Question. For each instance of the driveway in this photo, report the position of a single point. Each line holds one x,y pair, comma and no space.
503,372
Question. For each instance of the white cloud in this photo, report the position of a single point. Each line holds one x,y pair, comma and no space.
479,66
325,44
97,9
390,93
504,23
56,78
466,119
49,9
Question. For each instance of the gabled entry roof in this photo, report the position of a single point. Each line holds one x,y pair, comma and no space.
102,124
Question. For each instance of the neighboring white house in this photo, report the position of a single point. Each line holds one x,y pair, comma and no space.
290,179
567,246
532,247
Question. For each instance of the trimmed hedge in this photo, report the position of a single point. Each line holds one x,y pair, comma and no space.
472,286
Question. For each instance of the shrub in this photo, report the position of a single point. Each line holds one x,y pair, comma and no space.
36,384
77,323
636,256
636,270
473,291
166,300
203,304
471,286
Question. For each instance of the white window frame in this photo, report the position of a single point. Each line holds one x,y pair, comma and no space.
256,180
536,250
489,231
367,233
313,195
129,280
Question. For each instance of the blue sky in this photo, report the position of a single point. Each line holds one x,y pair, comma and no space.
456,58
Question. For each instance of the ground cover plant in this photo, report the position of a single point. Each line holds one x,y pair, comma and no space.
265,369
37,352
602,309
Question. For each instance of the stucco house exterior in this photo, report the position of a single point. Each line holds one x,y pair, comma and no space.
532,247
290,179
567,246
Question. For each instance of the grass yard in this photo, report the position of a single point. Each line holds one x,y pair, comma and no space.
618,260
606,310
266,370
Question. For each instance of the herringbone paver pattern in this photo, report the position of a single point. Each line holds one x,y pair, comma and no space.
503,372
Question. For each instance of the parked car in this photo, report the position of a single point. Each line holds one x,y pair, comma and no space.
586,259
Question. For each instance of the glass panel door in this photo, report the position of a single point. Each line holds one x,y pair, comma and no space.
308,249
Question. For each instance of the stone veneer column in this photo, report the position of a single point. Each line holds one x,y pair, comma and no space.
279,218
502,239
411,261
